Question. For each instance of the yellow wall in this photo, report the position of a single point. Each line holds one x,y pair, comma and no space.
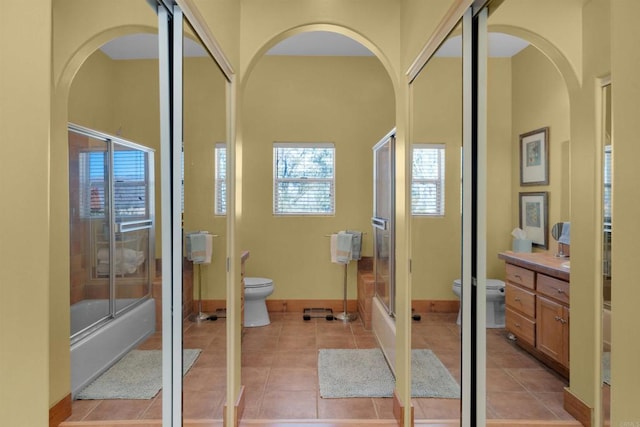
625,61
347,101
92,94
540,99
25,112
437,118
79,28
204,124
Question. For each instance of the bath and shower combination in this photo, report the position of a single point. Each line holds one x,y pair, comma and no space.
112,250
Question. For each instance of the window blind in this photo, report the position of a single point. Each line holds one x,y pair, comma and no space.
220,202
129,183
304,178
427,179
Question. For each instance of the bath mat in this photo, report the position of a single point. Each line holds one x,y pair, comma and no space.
606,367
138,375
365,373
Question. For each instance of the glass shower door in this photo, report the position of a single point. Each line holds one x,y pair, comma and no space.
383,221
132,200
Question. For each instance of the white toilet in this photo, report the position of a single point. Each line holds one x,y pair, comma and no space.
256,291
495,302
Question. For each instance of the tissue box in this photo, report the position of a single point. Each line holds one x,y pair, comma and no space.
521,245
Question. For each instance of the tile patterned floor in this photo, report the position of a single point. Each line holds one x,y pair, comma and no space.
279,371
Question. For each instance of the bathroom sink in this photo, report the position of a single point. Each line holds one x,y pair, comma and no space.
566,264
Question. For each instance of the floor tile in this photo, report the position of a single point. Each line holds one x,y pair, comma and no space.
292,379
279,372
518,405
537,379
283,404
118,410
354,408
437,409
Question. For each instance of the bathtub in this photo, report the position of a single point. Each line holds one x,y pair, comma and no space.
384,329
94,353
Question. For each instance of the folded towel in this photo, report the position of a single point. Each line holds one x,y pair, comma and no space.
199,247
356,244
334,247
343,247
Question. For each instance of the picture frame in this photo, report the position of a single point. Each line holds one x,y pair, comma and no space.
534,157
534,213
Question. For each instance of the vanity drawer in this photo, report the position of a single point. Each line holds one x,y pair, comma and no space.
521,276
554,288
520,299
520,326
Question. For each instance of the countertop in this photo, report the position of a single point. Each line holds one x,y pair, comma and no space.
542,262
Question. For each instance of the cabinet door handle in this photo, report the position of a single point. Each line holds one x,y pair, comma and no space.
563,321
517,299
557,319
517,276
560,291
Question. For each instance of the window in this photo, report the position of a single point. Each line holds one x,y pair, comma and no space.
427,184
303,178
220,202
129,181
607,185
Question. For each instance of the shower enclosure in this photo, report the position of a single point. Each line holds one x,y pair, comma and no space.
112,248
383,222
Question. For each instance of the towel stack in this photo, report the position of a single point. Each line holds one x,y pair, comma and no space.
346,246
199,247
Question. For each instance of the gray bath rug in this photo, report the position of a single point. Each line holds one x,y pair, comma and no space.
365,373
138,375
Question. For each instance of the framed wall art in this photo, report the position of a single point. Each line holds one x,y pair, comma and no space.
534,157
534,211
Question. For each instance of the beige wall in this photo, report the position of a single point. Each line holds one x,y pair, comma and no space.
437,118
347,101
540,99
625,62
204,126
25,110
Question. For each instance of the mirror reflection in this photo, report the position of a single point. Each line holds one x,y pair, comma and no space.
528,129
607,188
204,230
310,119
113,137
436,191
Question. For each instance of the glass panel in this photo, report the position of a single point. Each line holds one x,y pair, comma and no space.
526,92
607,187
204,283
383,222
132,193
88,232
436,95
113,98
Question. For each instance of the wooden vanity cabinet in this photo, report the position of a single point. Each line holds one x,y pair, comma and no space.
537,306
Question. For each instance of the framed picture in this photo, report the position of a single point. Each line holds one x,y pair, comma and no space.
534,157
534,211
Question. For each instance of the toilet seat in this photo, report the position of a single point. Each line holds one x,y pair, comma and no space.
492,284
257,282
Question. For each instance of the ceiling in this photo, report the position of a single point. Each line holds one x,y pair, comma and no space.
316,43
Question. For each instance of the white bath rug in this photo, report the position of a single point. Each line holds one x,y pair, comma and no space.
138,375
365,373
